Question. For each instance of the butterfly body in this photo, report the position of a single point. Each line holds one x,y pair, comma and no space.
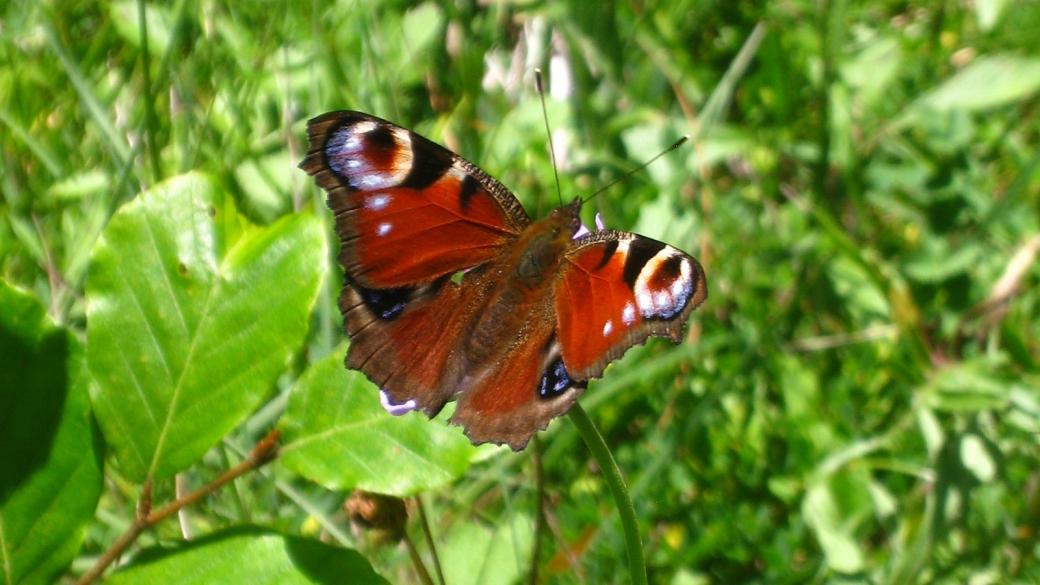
450,289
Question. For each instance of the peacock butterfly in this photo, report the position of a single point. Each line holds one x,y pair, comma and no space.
450,289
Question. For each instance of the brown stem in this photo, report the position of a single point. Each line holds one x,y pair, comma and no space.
264,451
429,539
420,568
539,499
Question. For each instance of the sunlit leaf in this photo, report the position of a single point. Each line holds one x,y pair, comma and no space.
190,320
987,82
474,554
823,515
249,556
50,452
336,433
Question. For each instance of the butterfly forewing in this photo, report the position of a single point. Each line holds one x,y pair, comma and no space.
615,290
407,210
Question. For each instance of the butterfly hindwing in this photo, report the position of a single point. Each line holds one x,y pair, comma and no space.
390,334
528,389
615,290
407,210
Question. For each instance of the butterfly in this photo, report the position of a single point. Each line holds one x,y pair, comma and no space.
450,290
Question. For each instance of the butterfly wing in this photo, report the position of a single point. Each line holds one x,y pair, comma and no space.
526,390
409,214
615,290
407,210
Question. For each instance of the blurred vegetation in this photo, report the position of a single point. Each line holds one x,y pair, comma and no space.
857,402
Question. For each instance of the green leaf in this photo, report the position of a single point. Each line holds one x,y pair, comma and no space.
336,433
127,23
976,458
988,82
77,187
190,320
967,387
474,554
823,515
988,12
250,556
936,264
50,452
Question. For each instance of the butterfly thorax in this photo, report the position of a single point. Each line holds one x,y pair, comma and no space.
520,282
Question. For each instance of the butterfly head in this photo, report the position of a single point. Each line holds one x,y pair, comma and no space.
566,220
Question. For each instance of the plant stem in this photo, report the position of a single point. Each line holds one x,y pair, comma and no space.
420,568
150,122
429,539
539,501
264,451
609,468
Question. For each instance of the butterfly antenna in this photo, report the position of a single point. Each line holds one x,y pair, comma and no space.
545,115
677,144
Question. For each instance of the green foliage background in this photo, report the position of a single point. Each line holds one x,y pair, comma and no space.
857,402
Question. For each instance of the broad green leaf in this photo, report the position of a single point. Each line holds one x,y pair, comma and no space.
976,458
474,554
967,387
78,186
190,319
250,556
266,182
335,433
823,515
987,82
50,452
126,20
931,431
937,265
987,12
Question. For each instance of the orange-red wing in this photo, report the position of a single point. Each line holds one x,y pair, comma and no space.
520,395
407,210
615,290
402,340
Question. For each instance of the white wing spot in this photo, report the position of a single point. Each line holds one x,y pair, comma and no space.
364,127
628,315
608,328
383,229
646,303
395,409
663,301
377,202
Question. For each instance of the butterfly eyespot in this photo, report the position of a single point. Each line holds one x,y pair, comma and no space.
384,228
555,381
607,328
386,304
369,155
664,283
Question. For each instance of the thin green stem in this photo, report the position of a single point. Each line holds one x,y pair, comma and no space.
607,465
539,517
428,534
420,568
149,99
